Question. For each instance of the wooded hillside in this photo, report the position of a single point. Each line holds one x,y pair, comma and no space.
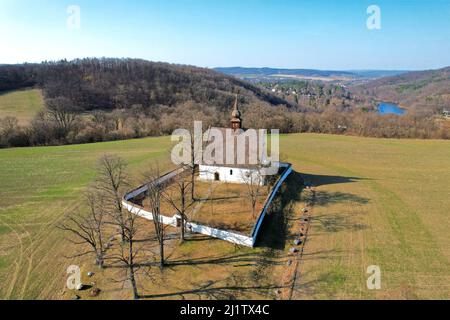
107,84
93,100
426,92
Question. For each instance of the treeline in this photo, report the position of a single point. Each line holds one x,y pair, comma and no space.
59,125
56,126
350,122
94,100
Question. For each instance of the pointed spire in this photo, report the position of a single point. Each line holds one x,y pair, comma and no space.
236,122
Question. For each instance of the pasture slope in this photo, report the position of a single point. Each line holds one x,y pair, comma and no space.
22,104
379,202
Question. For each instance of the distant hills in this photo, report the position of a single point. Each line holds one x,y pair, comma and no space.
91,100
107,84
273,71
421,91
307,74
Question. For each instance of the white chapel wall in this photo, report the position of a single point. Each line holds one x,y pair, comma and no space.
227,174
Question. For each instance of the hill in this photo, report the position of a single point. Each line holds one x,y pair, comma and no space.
379,202
265,74
275,71
107,84
421,91
93,100
90,100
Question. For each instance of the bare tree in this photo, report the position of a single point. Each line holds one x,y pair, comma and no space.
99,117
254,182
155,194
8,125
195,153
63,113
127,253
196,140
177,200
88,229
111,182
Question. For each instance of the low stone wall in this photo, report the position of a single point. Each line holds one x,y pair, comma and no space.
236,238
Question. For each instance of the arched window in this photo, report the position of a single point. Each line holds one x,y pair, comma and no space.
231,172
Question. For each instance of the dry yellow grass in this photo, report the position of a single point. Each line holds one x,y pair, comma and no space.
227,206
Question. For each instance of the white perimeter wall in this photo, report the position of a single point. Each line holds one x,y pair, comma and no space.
194,227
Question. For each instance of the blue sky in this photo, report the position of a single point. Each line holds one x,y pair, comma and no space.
322,34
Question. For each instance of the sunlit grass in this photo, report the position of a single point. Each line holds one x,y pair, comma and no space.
382,202
22,104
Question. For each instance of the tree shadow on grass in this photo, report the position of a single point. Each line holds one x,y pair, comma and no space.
322,254
218,198
324,198
274,230
214,291
337,223
322,180
249,259
327,284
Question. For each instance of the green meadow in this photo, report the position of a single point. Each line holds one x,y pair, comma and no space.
379,202
22,104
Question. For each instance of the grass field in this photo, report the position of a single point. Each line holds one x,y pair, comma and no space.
22,104
379,202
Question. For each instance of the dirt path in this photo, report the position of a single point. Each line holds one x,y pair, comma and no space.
301,228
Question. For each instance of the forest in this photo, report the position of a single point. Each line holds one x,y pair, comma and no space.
93,100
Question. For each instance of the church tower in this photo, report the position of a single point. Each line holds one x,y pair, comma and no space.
236,121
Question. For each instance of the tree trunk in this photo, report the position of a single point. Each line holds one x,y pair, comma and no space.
182,228
133,283
183,205
100,262
161,253
192,166
131,271
193,182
